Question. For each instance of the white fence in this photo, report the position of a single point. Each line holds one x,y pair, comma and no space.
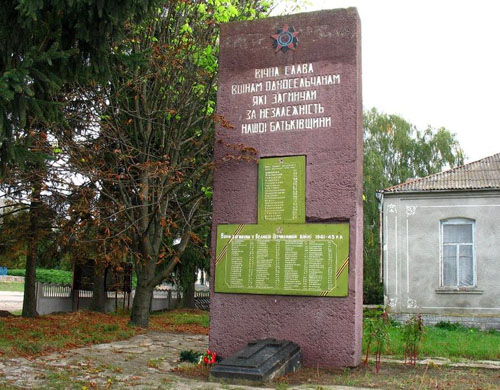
56,298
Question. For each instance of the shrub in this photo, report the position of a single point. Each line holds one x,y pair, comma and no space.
16,272
53,276
447,325
373,293
373,312
190,356
377,336
412,335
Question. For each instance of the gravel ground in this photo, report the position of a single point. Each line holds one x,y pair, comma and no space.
144,362
11,300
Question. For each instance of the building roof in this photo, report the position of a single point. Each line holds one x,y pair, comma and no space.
483,174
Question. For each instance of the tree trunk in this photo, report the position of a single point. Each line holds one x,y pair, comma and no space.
142,305
188,297
148,277
29,301
98,302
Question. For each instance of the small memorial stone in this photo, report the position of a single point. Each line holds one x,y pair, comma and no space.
261,361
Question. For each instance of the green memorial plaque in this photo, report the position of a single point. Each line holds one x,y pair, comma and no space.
282,196
295,259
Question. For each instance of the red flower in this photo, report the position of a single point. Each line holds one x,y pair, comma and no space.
209,357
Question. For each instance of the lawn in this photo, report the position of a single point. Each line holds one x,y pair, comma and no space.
31,337
446,340
182,320
53,276
391,376
455,344
11,286
34,337
56,332
396,376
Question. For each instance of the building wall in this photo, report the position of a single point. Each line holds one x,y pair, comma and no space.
412,255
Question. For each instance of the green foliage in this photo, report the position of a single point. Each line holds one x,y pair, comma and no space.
52,276
194,258
16,272
13,234
190,356
48,48
395,151
447,325
455,344
412,336
207,358
372,287
446,340
11,286
47,45
27,336
376,335
191,318
373,313
153,152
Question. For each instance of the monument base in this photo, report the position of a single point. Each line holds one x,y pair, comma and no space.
261,361
297,110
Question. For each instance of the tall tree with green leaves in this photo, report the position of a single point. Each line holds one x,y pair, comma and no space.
150,151
195,258
395,151
47,46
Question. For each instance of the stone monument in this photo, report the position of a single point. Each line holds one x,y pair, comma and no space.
287,258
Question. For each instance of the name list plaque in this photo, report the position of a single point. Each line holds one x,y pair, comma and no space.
294,259
282,190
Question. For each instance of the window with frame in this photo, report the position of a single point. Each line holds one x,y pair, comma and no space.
458,255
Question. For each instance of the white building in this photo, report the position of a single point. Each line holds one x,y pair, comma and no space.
441,245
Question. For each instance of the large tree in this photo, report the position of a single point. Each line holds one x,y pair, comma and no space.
149,152
395,151
47,46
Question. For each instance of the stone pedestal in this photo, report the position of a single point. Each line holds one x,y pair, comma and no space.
291,86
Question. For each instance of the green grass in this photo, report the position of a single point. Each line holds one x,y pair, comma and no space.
191,318
454,342
58,332
461,343
181,320
397,377
72,329
53,276
11,286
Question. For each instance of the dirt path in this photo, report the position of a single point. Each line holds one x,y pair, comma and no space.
11,300
143,362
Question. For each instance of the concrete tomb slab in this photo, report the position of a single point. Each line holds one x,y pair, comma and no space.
259,362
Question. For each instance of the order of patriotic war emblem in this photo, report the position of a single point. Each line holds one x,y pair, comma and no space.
285,39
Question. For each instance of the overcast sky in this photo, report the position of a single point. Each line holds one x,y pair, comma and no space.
433,62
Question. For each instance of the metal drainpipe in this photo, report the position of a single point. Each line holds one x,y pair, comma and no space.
380,197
